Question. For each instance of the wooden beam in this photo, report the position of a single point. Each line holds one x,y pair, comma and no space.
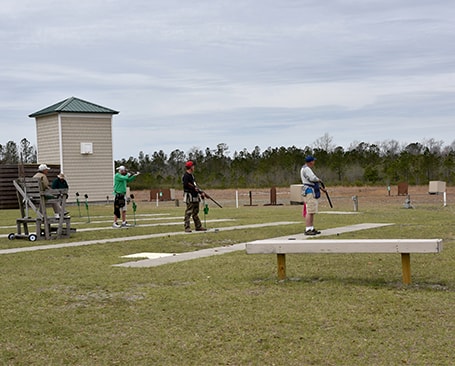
281,261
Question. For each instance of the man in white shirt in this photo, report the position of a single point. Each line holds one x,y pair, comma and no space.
311,193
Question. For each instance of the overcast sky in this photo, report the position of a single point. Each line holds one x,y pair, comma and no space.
246,73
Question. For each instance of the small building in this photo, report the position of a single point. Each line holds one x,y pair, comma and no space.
77,135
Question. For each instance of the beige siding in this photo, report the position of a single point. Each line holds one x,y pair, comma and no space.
48,140
90,174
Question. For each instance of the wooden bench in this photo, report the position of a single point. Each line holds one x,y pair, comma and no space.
34,199
405,247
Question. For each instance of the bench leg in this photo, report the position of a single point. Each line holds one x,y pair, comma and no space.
406,264
281,260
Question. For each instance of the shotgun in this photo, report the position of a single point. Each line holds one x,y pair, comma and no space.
210,198
326,193
200,190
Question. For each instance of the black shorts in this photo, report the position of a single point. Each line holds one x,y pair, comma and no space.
119,200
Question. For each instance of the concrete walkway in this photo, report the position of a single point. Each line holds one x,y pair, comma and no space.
107,224
174,258
139,237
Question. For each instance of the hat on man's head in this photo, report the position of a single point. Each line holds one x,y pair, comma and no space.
121,168
189,164
310,158
43,167
61,175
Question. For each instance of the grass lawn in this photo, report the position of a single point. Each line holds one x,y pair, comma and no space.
71,306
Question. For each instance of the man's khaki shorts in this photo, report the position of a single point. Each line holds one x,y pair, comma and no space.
311,204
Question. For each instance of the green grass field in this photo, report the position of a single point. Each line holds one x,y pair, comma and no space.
71,306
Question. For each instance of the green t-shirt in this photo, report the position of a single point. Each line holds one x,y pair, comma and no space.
120,182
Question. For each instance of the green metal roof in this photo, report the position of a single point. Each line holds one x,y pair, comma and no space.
73,105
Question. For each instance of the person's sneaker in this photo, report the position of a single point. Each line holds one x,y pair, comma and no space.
125,224
116,225
311,232
188,230
201,229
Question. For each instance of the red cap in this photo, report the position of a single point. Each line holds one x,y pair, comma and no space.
189,164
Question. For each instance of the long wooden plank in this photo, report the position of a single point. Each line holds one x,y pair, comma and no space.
345,246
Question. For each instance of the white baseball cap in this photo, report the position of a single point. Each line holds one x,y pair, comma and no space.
43,167
121,168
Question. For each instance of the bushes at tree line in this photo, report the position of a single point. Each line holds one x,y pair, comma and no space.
363,164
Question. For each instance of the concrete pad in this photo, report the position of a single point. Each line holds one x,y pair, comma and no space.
241,246
147,255
339,212
180,257
334,231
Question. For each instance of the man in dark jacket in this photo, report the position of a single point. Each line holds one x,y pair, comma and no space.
192,196
60,182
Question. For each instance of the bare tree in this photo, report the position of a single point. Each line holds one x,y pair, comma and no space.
324,143
390,148
434,146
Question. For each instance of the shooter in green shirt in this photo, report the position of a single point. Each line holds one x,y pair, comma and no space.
121,180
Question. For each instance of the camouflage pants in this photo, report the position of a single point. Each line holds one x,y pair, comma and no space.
192,210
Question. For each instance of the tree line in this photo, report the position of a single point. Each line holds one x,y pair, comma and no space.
11,153
384,163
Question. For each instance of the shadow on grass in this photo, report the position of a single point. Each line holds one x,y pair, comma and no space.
364,282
